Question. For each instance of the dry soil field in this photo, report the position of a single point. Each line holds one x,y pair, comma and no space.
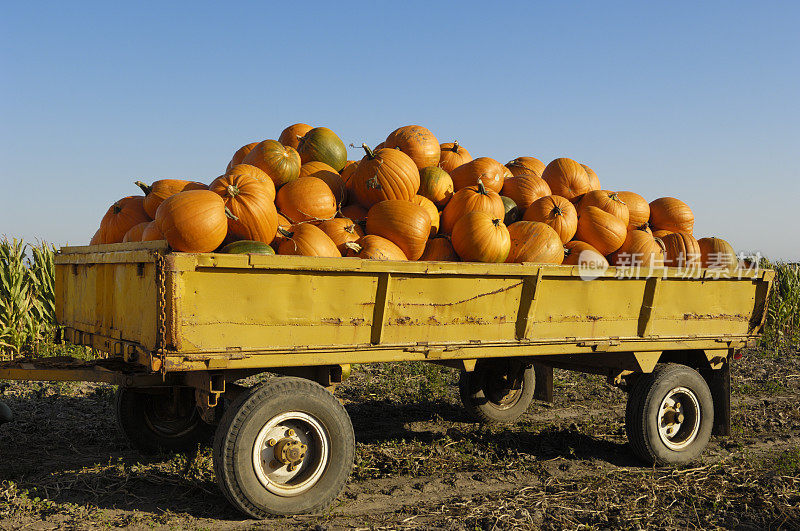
421,463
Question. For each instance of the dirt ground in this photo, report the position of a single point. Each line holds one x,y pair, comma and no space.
421,462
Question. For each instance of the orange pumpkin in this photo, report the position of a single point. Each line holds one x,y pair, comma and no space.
484,169
355,212
193,221
121,217
471,199
668,213
306,199
385,174
477,237
452,156
320,170
347,176
281,163
582,254
603,231
608,201
716,253
432,211
404,223
284,226
134,234
638,250
248,198
524,189
532,241
566,178
97,239
248,171
525,165
594,180
372,247
681,250
557,212
418,143
151,233
660,233
341,231
162,189
439,249
305,239
638,209
436,185
291,136
240,154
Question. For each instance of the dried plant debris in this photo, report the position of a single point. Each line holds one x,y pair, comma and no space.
421,463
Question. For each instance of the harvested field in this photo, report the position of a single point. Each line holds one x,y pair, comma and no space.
421,463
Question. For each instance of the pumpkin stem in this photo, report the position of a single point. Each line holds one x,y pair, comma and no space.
481,187
116,208
455,147
285,233
370,153
233,191
230,214
557,211
496,222
614,197
145,188
353,246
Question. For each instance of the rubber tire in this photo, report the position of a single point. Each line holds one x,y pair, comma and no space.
237,432
131,409
472,385
641,414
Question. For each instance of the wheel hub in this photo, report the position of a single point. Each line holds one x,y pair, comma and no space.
679,418
288,451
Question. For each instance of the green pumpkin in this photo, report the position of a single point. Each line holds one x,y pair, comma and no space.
512,210
323,145
247,247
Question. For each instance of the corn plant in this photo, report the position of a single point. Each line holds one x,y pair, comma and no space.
27,297
782,330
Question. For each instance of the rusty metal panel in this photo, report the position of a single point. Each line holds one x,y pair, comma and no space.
444,308
250,309
115,299
240,311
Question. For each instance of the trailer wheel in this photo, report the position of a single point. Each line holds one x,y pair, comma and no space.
498,391
669,415
164,421
284,447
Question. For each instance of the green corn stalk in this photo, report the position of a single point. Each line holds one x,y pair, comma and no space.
27,296
782,327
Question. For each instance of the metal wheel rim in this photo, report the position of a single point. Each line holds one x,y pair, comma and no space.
501,396
309,431
168,425
677,434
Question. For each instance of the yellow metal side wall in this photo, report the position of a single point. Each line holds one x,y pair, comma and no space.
110,299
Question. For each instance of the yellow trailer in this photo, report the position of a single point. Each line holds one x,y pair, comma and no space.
180,328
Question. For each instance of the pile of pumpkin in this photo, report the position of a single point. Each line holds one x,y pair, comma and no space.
410,198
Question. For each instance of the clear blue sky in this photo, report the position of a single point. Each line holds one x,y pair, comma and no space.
693,100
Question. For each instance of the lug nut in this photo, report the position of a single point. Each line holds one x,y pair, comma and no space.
290,433
272,442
